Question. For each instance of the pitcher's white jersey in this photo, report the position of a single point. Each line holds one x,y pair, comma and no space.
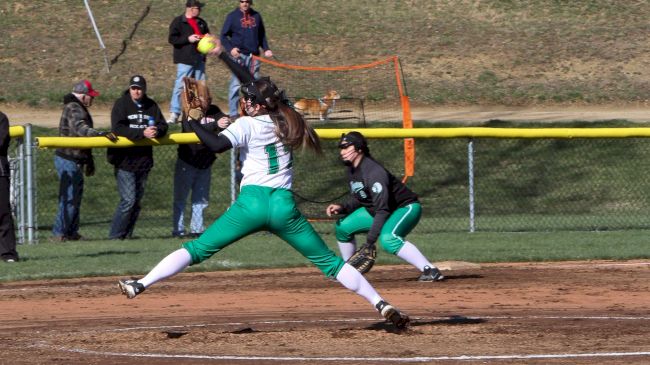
265,160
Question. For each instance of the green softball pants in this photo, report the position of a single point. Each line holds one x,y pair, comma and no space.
400,223
260,208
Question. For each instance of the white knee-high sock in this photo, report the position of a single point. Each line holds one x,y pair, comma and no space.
353,280
171,265
413,256
347,249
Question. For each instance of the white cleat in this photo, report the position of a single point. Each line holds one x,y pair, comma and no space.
130,288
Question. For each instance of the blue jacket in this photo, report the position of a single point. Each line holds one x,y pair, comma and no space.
244,31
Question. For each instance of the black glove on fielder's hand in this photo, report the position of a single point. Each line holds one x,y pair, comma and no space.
364,258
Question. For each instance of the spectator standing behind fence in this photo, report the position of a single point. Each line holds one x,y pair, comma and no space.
184,33
380,205
193,173
73,163
134,116
242,36
7,233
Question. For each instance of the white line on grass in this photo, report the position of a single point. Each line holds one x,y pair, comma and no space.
571,265
369,359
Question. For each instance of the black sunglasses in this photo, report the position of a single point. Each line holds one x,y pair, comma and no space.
345,145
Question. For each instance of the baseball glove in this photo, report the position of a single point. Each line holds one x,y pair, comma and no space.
364,258
195,98
242,107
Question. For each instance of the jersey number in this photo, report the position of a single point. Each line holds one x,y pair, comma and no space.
274,163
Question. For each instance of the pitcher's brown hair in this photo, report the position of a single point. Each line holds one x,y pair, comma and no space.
290,126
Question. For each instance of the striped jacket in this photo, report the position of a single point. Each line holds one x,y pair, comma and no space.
75,122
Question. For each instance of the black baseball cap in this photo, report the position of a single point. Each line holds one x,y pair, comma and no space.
138,81
355,139
194,3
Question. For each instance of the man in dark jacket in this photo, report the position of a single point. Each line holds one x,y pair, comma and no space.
72,163
7,235
193,173
134,116
242,36
185,31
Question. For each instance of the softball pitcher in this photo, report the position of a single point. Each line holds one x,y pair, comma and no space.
380,205
266,136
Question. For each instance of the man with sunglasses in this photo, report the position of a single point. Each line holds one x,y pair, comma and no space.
185,31
134,116
242,36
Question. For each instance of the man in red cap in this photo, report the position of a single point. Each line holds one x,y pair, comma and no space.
72,163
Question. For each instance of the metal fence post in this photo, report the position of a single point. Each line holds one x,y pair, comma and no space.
29,153
20,184
470,173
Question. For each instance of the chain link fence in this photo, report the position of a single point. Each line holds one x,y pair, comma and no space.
18,186
482,184
101,198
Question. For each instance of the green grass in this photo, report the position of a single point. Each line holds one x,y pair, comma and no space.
136,257
489,52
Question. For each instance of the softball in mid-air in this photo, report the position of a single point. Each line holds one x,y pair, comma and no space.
207,44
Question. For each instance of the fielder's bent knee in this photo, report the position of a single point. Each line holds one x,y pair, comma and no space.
390,243
341,234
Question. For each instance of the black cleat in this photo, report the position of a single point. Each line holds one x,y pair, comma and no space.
399,319
431,274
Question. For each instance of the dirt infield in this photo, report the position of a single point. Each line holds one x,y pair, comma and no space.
552,313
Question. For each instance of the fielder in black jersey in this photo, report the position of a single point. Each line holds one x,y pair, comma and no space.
380,205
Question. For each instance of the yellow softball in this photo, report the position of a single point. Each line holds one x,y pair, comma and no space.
206,44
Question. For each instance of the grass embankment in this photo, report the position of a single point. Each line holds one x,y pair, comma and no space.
466,52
